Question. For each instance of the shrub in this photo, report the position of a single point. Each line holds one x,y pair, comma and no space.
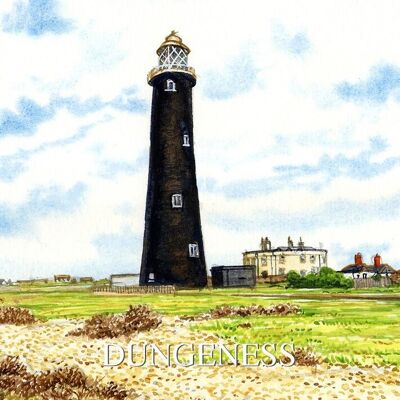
244,311
304,356
294,279
264,274
136,319
16,316
326,278
60,384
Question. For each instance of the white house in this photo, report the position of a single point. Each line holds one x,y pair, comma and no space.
280,260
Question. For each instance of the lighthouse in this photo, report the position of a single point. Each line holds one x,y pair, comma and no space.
173,251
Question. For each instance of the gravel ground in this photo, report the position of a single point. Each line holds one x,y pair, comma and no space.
45,346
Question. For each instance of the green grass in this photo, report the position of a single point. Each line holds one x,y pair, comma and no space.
50,303
343,331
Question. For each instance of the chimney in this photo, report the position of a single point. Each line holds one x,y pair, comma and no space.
377,260
358,259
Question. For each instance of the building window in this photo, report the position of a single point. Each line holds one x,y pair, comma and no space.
151,277
177,201
302,258
186,142
281,271
281,259
303,272
170,86
194,250
263,260
312,258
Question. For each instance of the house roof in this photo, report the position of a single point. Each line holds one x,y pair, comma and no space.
288,249
123,275
356,269
232,267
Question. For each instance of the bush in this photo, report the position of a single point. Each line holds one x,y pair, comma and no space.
60,384
16,316
136,319
225,311
294,279
326,278
304,356
264,274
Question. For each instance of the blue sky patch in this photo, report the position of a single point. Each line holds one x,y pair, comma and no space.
35,18
358,167
295,44
11,166
109,169
238,76
42,202
118,252
383,81
30,114
331,214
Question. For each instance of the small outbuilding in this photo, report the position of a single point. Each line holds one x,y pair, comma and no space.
233,276
86,279
124,280
62,278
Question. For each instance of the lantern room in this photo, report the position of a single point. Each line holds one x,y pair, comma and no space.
172,56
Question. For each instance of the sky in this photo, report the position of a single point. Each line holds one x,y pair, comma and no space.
296,128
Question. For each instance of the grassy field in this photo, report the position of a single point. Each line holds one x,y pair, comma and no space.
344,331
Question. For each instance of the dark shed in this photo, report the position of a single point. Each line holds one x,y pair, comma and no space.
233,276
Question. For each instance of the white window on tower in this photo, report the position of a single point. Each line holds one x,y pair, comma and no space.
194,250
186,142
177,201
170,86
302,258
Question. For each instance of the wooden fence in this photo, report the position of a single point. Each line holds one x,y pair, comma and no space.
167,289
369,282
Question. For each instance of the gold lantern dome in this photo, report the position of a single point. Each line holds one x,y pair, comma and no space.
172,57
173,40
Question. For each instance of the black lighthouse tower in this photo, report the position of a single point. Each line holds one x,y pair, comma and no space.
173,251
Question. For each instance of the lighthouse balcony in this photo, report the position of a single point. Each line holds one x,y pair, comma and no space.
170,68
